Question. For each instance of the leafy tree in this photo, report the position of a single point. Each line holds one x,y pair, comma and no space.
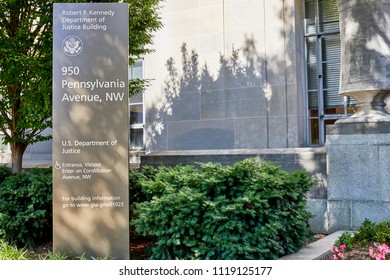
25,74
26,65
144,20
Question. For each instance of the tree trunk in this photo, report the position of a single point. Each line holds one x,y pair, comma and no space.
17,150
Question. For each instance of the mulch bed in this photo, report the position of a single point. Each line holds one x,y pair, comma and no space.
356,253
139,247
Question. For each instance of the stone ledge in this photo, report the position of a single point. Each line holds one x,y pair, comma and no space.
358,128
315,250
238,151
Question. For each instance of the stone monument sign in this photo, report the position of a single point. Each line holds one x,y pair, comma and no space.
90,130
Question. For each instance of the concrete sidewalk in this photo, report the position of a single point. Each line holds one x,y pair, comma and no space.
315,250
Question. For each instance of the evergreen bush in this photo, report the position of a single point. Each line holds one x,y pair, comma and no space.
346,238
26,207
136,177
250,210
5,172
382,232
366,233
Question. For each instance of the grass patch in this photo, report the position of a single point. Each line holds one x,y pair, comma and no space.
11,252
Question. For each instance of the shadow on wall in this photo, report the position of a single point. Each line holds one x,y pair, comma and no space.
243,104
238,91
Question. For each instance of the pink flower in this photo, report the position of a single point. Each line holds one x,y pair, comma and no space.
379,252
338,252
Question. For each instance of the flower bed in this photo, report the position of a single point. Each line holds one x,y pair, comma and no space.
369,243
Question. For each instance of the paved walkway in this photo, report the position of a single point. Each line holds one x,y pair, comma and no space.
315,250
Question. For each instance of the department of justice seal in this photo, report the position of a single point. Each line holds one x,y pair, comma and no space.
72,45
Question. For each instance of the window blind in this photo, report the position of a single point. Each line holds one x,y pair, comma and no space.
323,53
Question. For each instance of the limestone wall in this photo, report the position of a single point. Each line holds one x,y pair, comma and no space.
226,75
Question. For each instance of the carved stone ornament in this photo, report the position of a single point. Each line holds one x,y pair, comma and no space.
365,57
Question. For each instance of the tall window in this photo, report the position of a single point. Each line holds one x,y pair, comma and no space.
136,108
322,36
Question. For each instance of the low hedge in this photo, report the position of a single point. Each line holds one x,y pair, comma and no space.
369,232
26,207
250,210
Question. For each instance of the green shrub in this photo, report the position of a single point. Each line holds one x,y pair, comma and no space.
366,233
246,211
26,207
382,232
5,172
346,238
136,177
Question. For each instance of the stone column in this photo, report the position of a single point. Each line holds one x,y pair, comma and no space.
365,57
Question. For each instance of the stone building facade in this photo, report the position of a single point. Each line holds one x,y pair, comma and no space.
231,79
236,75
235,78
231,74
